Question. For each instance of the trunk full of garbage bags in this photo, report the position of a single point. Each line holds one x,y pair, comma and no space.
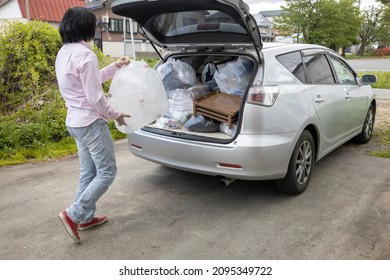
184,88
169,95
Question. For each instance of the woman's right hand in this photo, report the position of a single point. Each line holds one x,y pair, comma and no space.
122,61
121,119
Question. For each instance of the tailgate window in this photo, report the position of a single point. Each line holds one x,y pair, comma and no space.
175,24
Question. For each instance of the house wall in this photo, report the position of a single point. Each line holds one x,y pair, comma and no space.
116,49
112,43
10,10
265,28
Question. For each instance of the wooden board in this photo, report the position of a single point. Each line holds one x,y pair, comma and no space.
219,106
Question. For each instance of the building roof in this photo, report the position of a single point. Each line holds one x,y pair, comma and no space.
48,10
273,13
2,2
261,20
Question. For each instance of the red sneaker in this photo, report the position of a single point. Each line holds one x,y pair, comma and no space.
96,221
70,226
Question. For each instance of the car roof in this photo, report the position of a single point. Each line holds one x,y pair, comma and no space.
292,47
279,48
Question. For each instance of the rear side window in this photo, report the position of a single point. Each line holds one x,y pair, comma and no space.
318,69
293,62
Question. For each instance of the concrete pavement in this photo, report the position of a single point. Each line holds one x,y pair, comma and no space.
382,93
161,213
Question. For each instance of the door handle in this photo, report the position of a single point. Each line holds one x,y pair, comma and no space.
318,99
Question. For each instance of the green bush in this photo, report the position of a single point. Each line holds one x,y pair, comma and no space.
39,121
151,61
27,58
115,133
32,110
382,52
383,79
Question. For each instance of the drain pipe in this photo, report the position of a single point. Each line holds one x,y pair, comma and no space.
227,181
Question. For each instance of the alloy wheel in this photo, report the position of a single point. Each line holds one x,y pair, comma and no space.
369,124
304,162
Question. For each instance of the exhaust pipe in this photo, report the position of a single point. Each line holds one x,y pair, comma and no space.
227,181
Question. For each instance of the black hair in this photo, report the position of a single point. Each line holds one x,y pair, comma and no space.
78,24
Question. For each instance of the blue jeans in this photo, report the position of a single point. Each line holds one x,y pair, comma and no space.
97,168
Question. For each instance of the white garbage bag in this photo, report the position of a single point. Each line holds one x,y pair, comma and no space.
234,77
176,74
137,90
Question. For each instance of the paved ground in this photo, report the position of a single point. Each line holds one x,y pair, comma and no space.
160,213
367,64
382,93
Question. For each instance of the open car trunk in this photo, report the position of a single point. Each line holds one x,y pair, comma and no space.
206,76
206,93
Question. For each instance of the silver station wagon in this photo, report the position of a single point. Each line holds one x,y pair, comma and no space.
241,109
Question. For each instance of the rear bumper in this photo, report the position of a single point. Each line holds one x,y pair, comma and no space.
255,157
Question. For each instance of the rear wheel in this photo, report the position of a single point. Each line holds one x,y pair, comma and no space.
368,127
300,167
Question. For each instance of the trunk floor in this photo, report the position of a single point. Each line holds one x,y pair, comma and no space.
218,135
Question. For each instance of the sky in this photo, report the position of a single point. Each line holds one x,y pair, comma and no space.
266,5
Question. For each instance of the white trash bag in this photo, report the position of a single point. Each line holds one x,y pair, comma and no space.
235,76
137,90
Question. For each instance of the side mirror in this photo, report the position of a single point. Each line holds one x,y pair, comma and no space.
369,79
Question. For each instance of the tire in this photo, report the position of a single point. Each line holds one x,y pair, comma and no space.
368,127
300,167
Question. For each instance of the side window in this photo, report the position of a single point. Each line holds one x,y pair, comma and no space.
318,69
293,63
343,72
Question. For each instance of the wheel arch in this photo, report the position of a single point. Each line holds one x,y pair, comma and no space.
314,132
373,102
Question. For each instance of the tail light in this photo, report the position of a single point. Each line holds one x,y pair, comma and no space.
263,95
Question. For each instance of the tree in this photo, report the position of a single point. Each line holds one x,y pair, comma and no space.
295,19
384,32
374,26
337,24
332,23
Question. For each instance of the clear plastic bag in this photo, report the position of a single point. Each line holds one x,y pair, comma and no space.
180,104
208,72
234,77
224,127
200,123
197,91
176,74
207,77
137,89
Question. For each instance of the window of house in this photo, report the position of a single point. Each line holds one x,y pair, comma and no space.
293,62
116,25
263,29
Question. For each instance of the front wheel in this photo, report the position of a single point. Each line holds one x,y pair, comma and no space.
300,167
368,127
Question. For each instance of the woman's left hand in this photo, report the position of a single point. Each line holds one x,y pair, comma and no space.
121,61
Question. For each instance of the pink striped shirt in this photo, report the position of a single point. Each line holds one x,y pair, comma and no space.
80,82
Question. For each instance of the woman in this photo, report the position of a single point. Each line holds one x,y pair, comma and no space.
88,113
